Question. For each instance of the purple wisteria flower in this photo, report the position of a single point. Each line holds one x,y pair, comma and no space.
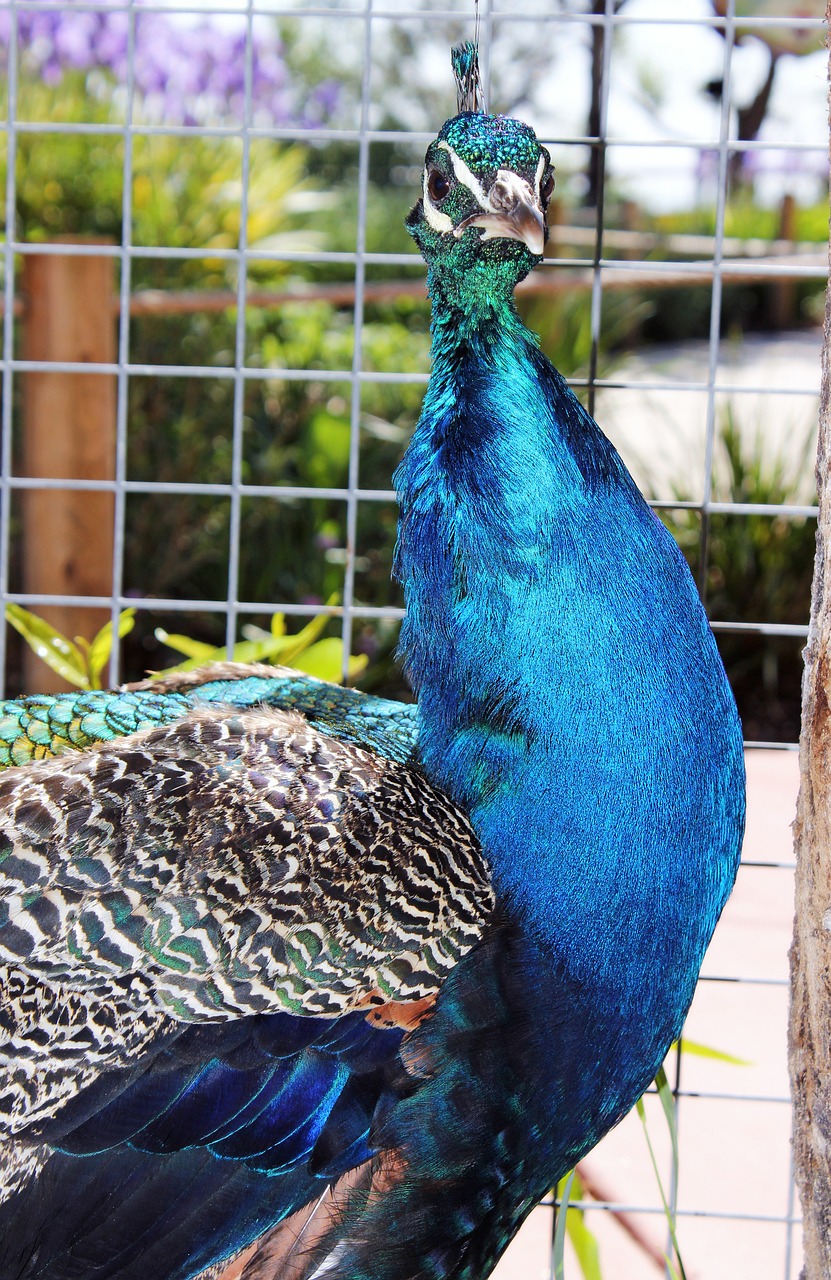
183,72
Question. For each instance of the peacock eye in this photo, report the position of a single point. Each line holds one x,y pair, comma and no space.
438,185
547,186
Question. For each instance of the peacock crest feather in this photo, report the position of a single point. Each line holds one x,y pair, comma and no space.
470,95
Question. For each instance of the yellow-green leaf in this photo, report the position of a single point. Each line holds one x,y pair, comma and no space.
101,646
53,648
195,649
668,1105
325,661
704,1051
558,1247
571,1221
303,651
291,646
252,632
265,649
584,1243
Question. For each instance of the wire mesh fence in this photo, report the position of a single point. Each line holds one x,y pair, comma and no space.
215,340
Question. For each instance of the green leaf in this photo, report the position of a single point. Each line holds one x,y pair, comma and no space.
262,649
558,1249
324,660
292,646
668,1104
704,1051
59,653
276,648
583,1241
303,651
194,649
252,632
99,650
671,1268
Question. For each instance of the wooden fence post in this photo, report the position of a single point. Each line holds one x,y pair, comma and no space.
810,1018
783,306
68,432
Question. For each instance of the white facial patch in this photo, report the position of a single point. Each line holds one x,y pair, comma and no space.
438,221
466,177
540,172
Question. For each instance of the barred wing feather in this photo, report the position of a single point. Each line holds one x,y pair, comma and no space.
229,866
214,936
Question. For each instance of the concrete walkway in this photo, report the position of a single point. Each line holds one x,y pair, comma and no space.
659,423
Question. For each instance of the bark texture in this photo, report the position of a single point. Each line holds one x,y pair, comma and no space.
810,1024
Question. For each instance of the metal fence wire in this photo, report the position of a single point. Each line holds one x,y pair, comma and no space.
215,341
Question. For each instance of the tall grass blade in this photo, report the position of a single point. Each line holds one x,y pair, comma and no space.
668,1104
558,1251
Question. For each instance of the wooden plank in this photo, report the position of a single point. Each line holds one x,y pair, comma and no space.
68,432
546,280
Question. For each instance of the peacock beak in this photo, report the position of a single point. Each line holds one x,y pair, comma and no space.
513,212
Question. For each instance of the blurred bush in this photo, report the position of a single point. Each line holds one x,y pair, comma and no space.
758,569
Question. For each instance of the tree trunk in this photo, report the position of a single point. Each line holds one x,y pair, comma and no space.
810,1026
597,38
594,168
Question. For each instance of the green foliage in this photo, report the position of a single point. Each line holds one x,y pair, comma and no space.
696,1050
678,314
71,183
186,190
303,651
187,194
745,219
571,1223
675,1265
82,663
758,569
297,432
79,662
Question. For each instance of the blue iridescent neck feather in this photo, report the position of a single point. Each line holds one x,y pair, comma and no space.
554,635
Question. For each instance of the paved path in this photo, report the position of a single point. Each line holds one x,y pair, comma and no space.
661,433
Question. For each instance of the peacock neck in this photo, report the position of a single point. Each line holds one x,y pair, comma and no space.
564,669
500,474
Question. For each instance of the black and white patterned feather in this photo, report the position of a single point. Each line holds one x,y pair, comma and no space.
217,868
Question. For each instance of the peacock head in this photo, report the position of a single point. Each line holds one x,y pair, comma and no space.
481,221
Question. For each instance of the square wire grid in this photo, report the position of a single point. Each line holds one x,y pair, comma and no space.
601,256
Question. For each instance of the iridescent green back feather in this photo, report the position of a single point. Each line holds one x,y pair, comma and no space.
40,726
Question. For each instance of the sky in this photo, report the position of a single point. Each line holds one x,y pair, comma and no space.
657,77
657,74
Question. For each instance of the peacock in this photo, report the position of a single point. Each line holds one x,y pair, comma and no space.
298,982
